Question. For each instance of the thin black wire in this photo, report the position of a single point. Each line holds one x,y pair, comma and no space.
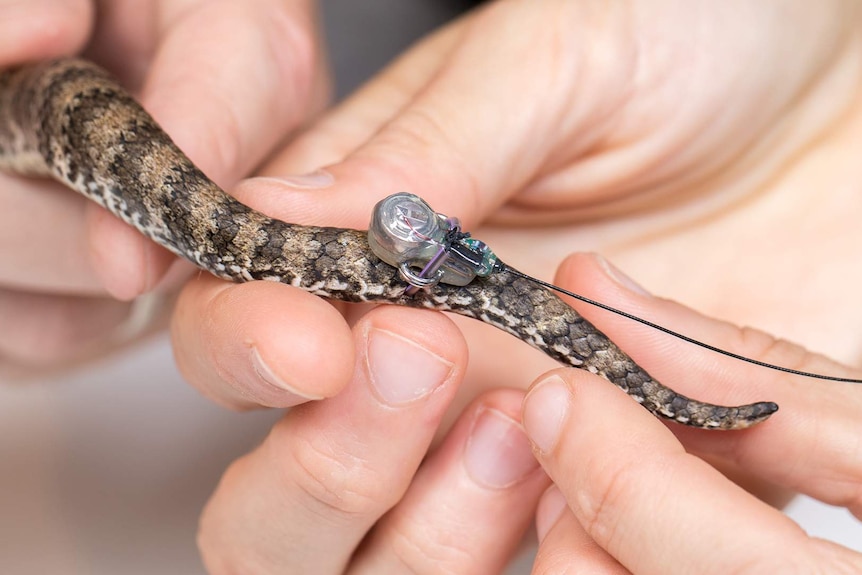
679,335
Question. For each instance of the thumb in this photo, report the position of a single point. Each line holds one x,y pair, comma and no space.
464,120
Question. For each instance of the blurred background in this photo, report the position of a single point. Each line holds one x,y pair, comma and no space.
105,470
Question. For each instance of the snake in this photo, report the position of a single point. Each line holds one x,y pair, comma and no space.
68,119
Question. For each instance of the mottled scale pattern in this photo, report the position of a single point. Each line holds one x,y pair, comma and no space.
68,119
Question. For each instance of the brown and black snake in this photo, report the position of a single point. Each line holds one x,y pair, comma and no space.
70,120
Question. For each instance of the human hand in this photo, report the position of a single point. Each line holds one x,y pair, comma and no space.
632,495
226,79
645,179
569,115
344,485
338,485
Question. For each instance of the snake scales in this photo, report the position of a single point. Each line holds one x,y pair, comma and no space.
68,119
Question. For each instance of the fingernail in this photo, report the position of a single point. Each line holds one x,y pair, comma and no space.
316,180
498,454
545,410
551,507
268,376
618,276
402,371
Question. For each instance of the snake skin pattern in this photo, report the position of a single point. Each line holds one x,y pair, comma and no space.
68,119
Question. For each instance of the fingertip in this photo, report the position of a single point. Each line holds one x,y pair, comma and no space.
40,29
566,406
385,165
260,343
300,343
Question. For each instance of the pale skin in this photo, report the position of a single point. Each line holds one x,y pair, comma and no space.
627,498
650,132
67,293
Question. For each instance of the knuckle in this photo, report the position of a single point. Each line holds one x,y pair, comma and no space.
226,545
555,561
612,485
423,141
765,347
761,346
341,483
424,543
423,129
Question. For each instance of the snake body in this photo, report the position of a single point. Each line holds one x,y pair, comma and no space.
70,120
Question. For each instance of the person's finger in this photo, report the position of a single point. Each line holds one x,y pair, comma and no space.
465,141
810,445
37,29
351,123
641,497
230,80
43,239
299,327
227,81
470,503
57,256
295,169
260,343
41,330
33,215
125,39
303,501
564,545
